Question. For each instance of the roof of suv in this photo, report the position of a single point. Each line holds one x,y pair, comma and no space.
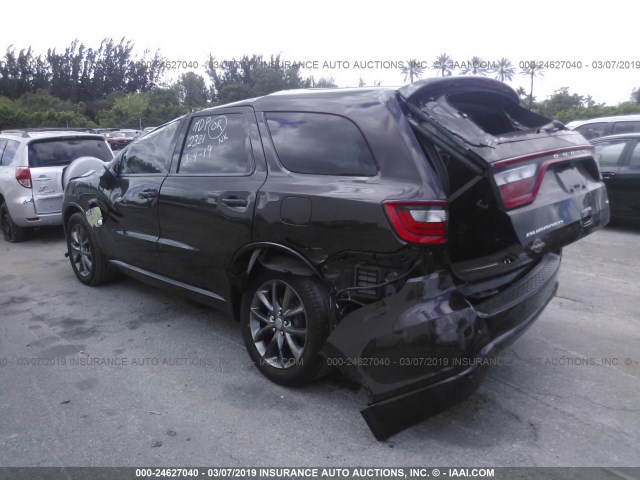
309,99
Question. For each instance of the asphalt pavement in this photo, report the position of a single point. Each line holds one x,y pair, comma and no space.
128,375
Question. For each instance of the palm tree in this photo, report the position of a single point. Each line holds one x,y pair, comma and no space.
505,70
532,69
444,63
412,70
476,66
522,94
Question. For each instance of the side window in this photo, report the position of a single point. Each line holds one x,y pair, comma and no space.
626,127
635,156
608,153
217,145
3,143
151,153
592,130
320,143
10,150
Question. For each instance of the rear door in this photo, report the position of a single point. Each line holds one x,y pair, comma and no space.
610,154
47,160
208,199
543,176
627,184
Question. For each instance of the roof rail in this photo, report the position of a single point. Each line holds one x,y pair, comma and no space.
25,131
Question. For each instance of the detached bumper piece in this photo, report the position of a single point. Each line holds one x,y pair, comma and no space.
425,348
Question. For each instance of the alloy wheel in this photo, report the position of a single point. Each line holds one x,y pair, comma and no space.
81,252
278,324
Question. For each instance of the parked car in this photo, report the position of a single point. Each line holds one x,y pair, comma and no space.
604,126
32,163
118,139
619,159
402,235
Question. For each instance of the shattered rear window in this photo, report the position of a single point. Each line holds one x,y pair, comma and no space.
478,117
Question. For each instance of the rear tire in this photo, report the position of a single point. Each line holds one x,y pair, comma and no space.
284,323
87,259
12,233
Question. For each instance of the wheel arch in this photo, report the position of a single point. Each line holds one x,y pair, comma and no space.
259,256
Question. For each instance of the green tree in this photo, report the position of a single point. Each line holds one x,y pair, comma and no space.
475,66
532,69
560,101
252,76
444,64
192,90
505,70
322,82
412,70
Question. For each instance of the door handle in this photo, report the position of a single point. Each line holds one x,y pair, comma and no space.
148,194
608,174
235,202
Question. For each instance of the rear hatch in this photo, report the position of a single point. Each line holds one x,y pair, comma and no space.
519,184
47,160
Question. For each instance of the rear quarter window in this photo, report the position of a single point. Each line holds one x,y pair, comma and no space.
321,144
8,151
592,130
62,151
626,127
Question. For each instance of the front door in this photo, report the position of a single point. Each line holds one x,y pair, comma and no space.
132,219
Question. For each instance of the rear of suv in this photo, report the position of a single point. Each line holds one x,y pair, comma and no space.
401,235
32,163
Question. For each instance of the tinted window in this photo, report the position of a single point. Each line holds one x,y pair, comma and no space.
592,130
321,144
608,153
217,145
9,152
626,127
3,144
151,153
62,151
635,156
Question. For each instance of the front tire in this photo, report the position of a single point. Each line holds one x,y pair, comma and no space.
11,232
284,323
87,260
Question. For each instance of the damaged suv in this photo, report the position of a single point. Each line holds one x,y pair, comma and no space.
398,234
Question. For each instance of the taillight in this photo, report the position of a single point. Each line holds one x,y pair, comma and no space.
516,184
519,179
23,176
418,222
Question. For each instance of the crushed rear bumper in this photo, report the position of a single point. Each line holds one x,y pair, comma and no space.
426,348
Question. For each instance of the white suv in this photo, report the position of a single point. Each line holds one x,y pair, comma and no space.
32,163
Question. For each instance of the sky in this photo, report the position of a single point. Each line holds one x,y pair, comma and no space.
600,45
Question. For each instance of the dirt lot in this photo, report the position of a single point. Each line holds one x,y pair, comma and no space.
180,389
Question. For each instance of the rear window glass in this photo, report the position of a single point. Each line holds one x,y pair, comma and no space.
62,151
321,144
626,127
592,130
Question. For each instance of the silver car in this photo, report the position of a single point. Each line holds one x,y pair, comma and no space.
32,164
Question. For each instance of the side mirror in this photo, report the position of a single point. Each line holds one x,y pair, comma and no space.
109,179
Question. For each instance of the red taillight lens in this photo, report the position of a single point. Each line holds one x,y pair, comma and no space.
23,176
418,222
516,184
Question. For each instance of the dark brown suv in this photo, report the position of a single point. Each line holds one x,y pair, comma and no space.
401,235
